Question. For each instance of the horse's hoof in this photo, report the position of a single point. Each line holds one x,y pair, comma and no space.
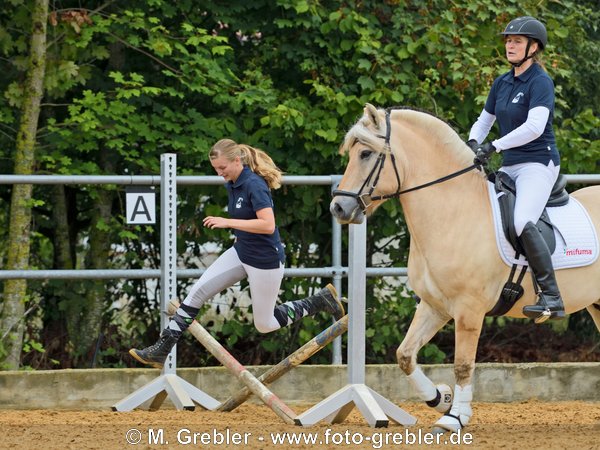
438,430
448,422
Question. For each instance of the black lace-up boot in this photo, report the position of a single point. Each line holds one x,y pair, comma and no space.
325,300
157,353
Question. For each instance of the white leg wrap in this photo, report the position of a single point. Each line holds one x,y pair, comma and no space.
461,412
424,387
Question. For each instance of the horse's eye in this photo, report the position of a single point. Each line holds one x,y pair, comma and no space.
365,154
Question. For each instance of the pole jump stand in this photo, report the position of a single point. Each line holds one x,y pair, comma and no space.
183,394
373,406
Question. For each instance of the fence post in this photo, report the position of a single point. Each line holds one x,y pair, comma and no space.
168,246
336,260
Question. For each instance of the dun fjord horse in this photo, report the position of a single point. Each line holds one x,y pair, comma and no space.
454,265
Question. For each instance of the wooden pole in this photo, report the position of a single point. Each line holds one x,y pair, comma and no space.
293,360
241,373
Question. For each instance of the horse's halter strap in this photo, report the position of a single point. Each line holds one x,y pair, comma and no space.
362,198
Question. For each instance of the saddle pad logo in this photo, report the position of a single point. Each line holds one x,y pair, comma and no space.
238,204
518,97
578,251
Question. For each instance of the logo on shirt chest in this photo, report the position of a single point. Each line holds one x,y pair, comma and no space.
518,97
238,203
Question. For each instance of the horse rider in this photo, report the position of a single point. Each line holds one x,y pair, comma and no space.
522,101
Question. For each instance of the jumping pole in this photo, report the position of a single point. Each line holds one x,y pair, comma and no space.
374,407
287,364
240,372
181,393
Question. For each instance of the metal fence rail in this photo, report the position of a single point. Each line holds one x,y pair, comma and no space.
154,180
113,274
335,272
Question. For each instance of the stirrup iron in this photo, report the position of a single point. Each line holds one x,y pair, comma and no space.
544,315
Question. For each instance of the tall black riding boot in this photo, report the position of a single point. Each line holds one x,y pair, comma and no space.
549,304
324,300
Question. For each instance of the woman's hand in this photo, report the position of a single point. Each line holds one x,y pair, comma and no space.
215,222
263,224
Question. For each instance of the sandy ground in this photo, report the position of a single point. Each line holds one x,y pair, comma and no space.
526,425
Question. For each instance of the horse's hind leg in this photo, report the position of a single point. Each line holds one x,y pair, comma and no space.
594,311
424,325
468,324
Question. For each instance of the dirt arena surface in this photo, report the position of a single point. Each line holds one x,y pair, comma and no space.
526,425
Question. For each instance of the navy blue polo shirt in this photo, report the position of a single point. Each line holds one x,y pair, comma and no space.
510,100
247,195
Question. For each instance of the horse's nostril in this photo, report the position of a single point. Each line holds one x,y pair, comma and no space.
336,209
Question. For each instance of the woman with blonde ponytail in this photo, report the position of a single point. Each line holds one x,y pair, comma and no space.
259,163
257,253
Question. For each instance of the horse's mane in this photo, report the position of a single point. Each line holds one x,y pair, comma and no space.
363,131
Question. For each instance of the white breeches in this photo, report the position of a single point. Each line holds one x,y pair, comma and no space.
228,270
534,182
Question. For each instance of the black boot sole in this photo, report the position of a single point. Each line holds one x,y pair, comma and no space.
339,309
154,364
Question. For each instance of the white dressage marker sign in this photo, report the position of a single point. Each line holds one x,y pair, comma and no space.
141,205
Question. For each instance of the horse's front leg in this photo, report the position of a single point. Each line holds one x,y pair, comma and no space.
424,325
468,324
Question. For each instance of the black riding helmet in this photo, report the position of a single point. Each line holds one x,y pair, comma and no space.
530,27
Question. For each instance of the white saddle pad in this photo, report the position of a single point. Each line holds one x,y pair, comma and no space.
576,240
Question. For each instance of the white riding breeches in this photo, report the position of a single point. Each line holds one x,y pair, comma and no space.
534,182
228,270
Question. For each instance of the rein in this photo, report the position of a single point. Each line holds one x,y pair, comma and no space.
378,167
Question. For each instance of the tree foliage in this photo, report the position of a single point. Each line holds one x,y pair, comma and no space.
129,80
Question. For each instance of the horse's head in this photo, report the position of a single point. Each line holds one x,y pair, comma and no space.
420,151
368,180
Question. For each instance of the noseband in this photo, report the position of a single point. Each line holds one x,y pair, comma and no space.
366,198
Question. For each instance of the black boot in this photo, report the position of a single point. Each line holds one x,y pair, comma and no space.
156,354
549,304
324,300
327,300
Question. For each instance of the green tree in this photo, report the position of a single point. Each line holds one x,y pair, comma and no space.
15,291
126,81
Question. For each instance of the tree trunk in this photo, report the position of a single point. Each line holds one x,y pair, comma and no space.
84,316
64,240
97,257
15,291
84,313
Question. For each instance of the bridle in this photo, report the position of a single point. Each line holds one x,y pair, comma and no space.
363,197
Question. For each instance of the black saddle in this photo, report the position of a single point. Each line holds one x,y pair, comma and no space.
505,187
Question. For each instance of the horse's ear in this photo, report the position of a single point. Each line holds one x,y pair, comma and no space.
371,113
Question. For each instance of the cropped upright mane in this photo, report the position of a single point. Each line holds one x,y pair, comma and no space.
372,134
360,132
